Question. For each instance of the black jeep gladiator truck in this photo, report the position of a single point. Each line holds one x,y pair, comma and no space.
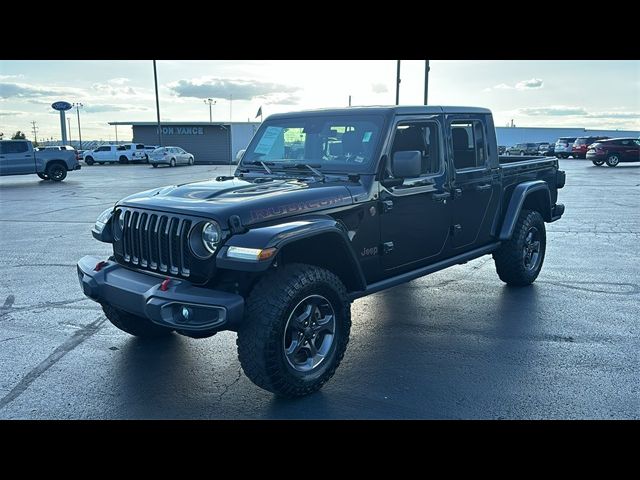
324,207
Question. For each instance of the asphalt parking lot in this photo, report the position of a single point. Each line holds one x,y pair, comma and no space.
456,344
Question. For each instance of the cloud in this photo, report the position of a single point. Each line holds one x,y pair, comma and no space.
622,115
240,89
10,77
10,113
554,110
379,88
115,86
286,100
531,84
99,108
24,90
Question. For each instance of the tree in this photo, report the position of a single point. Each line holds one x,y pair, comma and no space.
19,136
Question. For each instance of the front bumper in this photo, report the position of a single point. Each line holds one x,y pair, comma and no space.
141,294
160,161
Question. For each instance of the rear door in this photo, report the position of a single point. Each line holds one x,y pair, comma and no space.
16,158
476,185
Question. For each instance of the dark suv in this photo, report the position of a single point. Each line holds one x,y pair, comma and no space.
580,146
614,151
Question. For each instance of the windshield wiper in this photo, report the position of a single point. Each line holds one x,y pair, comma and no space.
312,167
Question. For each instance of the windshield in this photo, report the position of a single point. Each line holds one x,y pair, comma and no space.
334,143
160,150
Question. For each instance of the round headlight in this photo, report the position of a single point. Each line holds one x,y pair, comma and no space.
211,236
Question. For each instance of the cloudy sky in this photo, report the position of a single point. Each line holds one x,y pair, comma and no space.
590,94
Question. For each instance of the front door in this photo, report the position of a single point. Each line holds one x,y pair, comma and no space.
631,150
16,158
415,216
476,187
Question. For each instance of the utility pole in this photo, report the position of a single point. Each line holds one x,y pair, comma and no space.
78,106
426,81
210,101
398,83
349,100
155,79
35,132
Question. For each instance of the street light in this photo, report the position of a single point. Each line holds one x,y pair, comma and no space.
210,101
69,128
78,107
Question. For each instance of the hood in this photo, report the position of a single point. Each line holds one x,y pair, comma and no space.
253,202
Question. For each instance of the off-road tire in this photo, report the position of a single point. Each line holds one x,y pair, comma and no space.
134,325
509,258
261,337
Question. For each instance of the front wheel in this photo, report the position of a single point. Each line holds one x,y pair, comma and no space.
57,172
190,160
172,162
42,176
295,331
613,160
134,325
519,260
597,163
89,161
124,159
155,165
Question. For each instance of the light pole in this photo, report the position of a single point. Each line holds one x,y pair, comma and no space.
155,79
230,107
78,107
210,101
426,81
398,83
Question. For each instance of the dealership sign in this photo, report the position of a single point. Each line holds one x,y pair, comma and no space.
61,106
182,130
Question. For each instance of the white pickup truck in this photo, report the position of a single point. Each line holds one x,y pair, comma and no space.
124,153
18,157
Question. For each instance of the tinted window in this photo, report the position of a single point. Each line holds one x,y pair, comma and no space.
139,147
103,149
423,137
469,148
14,147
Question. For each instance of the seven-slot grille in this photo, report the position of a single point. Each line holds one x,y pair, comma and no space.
156,241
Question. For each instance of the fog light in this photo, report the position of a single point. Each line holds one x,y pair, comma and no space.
186,312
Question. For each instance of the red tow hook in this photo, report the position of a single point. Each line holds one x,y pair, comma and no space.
165,284
99,265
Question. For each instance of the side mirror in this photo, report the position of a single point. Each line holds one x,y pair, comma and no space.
406,164
240,154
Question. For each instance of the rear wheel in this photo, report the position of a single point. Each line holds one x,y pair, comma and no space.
42,176
296,330
89,161
57,172
124,159
519,260
155,165
597,163
613,160
134,325
172,162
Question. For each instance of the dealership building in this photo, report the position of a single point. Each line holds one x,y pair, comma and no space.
209,142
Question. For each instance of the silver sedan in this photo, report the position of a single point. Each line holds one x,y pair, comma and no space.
171,156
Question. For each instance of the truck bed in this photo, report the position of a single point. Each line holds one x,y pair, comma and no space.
513,165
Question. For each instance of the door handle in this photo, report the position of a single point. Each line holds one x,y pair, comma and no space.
440,197
457,192
482,188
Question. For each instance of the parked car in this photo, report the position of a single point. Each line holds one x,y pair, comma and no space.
135,152
613,151
523,149
171,156
18,157
581,145
280,250
563,147
549,151
114,153
501,149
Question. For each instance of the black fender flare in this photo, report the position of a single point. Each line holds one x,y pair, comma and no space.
518,198
283,234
